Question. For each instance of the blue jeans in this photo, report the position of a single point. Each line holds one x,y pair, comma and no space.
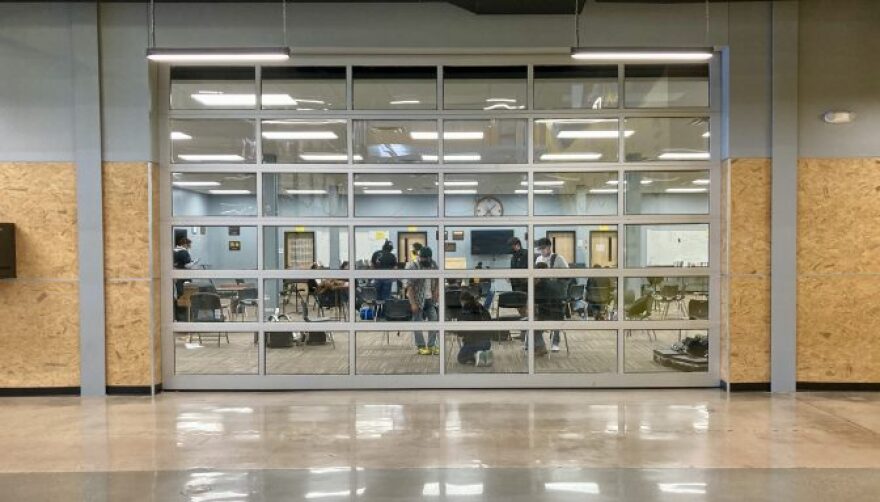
428,312
383,289
539,338
466,355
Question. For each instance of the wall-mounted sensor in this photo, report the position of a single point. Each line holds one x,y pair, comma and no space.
834,117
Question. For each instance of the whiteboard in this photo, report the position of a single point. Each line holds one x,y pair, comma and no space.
665,247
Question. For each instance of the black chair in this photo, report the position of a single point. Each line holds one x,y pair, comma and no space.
669,294
640,310
206,307
246,298
368,296
575,294
452,298
330,300
598,299
396,310
698,310
308,318
511,300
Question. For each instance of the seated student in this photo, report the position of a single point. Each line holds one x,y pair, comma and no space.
476,346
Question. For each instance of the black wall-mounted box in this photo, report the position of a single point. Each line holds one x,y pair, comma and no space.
7,250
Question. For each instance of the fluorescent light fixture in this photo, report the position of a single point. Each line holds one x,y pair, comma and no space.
306,191
459,192
503,106
373,183
501,100
180,136
573,487
167,55
300,135
461,183
300,100
465,157
405,102
419,135
429,158
324,157
210,157
574,121
646,182
229,192
570,156
357,157
701,181
686,190
684,156
592,134
196,183
537,191
603,190
631,54
612,182
706,134
547,183
690,488
382,192
215,99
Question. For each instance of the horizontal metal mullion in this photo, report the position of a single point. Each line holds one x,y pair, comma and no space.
672,165
213,221
214,274
397,274
662,219
668,272
209,327
486,273
665,325
269,274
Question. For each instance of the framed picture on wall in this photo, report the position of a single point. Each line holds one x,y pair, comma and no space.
458,235
449,247
235,245
234,231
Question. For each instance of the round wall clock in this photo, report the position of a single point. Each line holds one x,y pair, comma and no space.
488,206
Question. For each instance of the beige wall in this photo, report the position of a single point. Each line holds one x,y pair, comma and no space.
746,271
39,334
131,286
838,249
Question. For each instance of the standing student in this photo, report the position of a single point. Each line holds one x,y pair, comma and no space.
422,294
552,290
519,259
384,259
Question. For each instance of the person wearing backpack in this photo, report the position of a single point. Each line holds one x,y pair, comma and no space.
476,346
554,291
384,259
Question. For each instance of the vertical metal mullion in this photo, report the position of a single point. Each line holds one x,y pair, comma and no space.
440,104
352,260
621,208
261,281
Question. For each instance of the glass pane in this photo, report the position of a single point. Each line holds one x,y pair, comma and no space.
212,141
395,141
667,86
484,88
215,353
215,300
397,299
215,248
310,300
395,88
576,140
666,298
304,141
213,194
667,246
305,194
575,87
387,248
212,88
582,246
305,248
494,141
307,352
673,192
478,299
489,195
395,194
486,247
666,350
678,139
575,194
496,350
575,298
394,353
579,351
304,89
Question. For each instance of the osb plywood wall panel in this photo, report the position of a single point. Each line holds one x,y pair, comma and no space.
39,332
128,306
838,247
40,198
839,216
39,335
126,220
745,271
750,185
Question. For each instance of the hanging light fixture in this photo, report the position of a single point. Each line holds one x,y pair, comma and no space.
214,54
684,55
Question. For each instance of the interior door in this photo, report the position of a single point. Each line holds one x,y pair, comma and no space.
563,245
405,241
603,249
299,250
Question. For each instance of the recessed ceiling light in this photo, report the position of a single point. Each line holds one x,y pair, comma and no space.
229,192
603,190
706,134
460,183
570,156
324,157
306,191
405,102
702,181
459,192
196,183
300,135
462,157
382,192
373,183
426,135
686,190
684,156
569,134
179,136
211,157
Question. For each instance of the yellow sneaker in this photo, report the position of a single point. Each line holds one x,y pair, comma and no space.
424,351
435,350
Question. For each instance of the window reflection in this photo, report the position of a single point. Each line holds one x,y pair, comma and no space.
671,192
671,139
486,195
303,88
662,86
395,88
484,88
572,193
214,194
395,194
395,141
576,140
494,141
212,87
575,87
304,141
666,298
305,194
212,141
667,245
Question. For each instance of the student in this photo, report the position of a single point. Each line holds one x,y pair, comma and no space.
414,253
183,261
519,259
544,250
384,259
476,346
422,294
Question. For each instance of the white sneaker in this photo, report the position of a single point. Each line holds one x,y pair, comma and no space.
554,347
477,356
489,358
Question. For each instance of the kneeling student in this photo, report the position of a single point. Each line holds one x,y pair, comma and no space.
476,346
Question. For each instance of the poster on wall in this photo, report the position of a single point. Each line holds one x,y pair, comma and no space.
234,231
235,245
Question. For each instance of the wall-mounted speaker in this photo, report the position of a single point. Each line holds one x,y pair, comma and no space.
7,250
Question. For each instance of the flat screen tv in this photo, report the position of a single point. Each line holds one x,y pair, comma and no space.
490,242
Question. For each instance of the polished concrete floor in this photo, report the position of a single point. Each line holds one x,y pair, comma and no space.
443,445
